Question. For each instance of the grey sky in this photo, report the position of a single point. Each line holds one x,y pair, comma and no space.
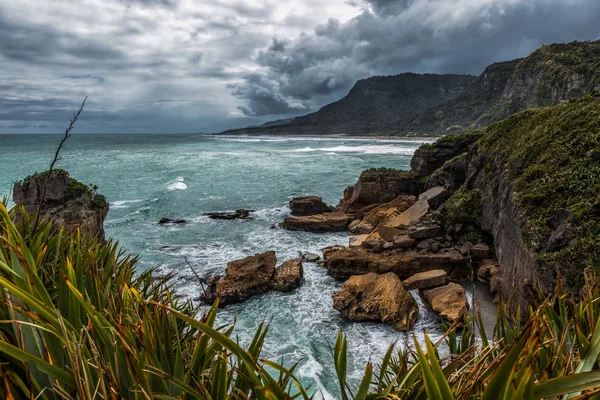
205,66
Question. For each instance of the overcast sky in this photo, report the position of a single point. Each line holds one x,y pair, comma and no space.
208,65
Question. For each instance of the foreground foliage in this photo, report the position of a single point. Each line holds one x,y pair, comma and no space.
77,323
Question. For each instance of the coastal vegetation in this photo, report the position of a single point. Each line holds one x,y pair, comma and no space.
79,323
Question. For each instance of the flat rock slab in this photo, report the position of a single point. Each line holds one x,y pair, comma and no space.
426,280
357,240
408,217
327,222
436,196
377,298
449,302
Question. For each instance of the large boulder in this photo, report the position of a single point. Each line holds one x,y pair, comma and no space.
376,186
449,302
67,203
243,279
413,214
377,298
308,205
376,215
288,276
342,263
327,222
426,280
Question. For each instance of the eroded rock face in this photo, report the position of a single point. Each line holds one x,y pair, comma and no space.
328,222
374,297
68,203
426,280
308,205
342,263
376,215
377,187
288,276
449,301
243,279
429,158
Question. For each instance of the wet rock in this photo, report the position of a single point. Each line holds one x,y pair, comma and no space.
377,298
311,257
308,205
243,279
67,203
345,262
481,250
171,221
560,238
426,280
237,214
449,302
328,222
288,276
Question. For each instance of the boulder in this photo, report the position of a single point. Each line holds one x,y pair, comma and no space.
376,215
436,196
377,298
288,276
311,257
341,263
403,241
426,280
449,302
556,219
425,232
481,250
561,237
237,214
243,279
327,222
67,203
376,186
171,221
408,217
308,205
487,270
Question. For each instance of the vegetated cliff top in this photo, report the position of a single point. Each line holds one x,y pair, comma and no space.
416,105
552,157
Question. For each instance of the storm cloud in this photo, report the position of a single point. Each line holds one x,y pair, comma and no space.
189,66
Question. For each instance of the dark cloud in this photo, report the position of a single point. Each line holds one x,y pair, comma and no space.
394,36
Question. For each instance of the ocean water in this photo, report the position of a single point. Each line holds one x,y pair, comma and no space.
146,177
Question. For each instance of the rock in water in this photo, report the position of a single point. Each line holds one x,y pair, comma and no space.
243,279
449,302
238,214
374,297
67,203
288,276
171,221
308,205
328,222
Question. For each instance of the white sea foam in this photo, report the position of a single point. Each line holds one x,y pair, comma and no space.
177,184
123,203
363,149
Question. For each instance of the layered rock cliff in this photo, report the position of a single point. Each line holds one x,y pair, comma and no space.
67,203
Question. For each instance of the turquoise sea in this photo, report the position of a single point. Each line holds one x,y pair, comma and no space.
146,177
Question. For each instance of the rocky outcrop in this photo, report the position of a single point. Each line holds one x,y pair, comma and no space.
377,298
377,186
430,157
341,263
378,214
426,280
67,203
308,205
288,276
451,175
243,279
328,222
237,214
449,302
